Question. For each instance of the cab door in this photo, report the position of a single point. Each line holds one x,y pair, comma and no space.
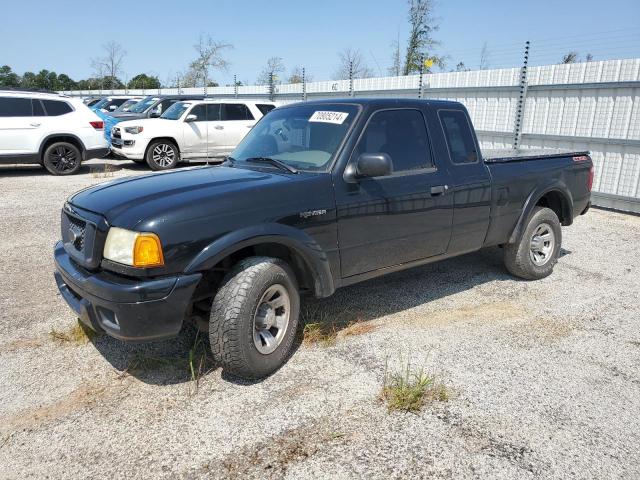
398,218
195,132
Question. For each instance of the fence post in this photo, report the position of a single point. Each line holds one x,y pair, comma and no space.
351,94
272,89
235,86
304,85
517,128
421,75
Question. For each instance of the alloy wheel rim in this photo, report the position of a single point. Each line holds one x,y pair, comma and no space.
163,155
63,159
542,244
271,319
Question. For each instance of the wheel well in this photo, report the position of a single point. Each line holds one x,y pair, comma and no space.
61,138
556,201
172,140
208,286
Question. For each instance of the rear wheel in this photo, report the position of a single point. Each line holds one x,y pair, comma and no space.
535,255
162,155
254,317
62,158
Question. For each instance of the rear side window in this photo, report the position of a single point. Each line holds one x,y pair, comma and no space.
264,108
401,134
118,101
236,111
56,108
457,131
15,107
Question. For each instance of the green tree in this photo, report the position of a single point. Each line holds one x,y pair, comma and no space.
8,78
421,42
66,83
142,80
28,80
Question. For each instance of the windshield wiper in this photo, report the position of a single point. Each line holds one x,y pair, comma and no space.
230,160
272,161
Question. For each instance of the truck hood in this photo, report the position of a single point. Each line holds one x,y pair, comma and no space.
128,116
189,192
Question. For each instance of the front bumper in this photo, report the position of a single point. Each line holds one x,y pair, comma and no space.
128,152
127,309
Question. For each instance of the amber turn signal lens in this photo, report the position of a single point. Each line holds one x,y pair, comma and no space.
147,251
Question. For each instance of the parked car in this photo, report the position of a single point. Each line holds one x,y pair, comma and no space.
318,196
111,104
187,130
49,129
126,106
148,107
91,101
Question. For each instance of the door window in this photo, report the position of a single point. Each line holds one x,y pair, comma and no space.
213,113
236,111
200,111
457,131
401,134
38,110
15,107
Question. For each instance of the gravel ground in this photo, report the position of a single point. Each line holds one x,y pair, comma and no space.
544,376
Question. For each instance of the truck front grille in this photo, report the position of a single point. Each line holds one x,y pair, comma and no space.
83,238
77,232
115,132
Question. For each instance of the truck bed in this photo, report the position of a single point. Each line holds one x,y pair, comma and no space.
510,155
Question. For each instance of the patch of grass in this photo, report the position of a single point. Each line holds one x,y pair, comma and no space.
195,364
105,172
320,328
409,390
79,334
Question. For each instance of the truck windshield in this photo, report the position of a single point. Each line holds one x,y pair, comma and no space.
143,105
305,137
175,111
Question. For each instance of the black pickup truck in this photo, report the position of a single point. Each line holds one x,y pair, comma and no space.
319,195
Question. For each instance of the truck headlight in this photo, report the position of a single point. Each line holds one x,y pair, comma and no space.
133,130
136,249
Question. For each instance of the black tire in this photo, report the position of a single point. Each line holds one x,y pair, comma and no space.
165,158
62,158
519,257
231,326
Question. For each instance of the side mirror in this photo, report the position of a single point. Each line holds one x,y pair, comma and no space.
191,118
374,165
157,114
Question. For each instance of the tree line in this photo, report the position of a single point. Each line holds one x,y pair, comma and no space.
417,54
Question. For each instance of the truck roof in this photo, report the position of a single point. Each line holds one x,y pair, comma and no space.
382,102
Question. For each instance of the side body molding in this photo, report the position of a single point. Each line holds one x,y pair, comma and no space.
315,259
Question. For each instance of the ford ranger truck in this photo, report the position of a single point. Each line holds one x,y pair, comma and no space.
318,196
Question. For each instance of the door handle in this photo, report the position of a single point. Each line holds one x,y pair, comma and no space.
35,124
439,189
219,127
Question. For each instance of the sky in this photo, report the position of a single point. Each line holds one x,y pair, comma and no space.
158,36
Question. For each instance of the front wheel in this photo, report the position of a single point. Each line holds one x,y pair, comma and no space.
62,158
254,317
162,155
534,256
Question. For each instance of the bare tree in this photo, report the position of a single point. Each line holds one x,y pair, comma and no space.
485,56
588,58
352,60
209,58
421,42
461,67
571,57
296,75
109,65
396,62
274,67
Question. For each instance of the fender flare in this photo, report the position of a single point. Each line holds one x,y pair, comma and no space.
555,185
314,257
83,149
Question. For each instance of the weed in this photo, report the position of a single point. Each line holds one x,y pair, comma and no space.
408,390
106,171
321,329
78,334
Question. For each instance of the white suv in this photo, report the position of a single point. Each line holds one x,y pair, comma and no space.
187,130
52,130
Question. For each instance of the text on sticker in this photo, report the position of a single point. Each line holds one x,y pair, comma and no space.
329,117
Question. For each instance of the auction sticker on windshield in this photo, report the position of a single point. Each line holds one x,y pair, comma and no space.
328,117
